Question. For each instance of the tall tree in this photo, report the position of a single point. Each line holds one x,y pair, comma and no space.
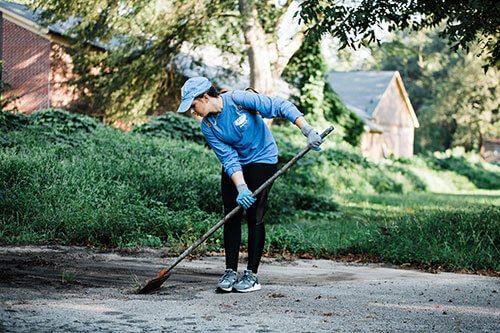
139,69
465,110
357,22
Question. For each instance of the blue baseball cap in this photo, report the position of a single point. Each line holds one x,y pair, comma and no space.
192,88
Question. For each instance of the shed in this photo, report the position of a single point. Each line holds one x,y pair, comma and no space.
35,59
491,150
381,100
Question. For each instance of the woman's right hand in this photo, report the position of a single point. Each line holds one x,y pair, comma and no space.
314,140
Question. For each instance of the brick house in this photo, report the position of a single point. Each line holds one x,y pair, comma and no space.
381,100
35,60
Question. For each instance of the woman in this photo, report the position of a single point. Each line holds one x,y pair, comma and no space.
233,127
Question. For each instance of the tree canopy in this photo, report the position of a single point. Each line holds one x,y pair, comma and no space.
357,22
138,69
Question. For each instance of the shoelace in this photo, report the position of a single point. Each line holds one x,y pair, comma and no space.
226,275
248,277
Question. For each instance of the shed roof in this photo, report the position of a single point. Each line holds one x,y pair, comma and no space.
361,91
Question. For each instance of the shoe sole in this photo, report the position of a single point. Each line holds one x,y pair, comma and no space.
224,290
254,288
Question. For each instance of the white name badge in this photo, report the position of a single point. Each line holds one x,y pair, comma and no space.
242,120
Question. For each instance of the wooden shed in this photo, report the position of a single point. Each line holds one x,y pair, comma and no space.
490,150
381,100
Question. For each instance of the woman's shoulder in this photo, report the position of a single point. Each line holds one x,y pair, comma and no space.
205,128
242,96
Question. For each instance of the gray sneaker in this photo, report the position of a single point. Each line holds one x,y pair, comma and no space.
227,281
247,283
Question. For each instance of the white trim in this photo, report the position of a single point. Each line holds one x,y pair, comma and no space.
25,23
34,27
399,82
402,89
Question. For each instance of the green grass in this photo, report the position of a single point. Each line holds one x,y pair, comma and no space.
452,231
67,179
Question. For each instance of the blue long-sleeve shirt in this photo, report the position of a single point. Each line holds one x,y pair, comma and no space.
239,137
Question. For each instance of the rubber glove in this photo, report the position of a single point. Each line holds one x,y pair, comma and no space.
314,140
244,196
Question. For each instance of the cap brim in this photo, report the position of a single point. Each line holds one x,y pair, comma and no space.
185,105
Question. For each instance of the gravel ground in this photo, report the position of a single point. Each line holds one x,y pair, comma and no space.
61,289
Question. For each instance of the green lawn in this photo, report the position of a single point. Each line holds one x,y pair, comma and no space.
453,231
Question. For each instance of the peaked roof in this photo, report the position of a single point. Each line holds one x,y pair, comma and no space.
361,91
23,12
58,31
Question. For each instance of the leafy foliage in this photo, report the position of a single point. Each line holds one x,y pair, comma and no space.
355,23
9,121
124,52
307,71
173,126
63,121
475,172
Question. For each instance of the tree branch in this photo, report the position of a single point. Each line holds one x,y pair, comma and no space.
288,51
283,10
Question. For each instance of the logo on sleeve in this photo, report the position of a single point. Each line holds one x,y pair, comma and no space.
241,121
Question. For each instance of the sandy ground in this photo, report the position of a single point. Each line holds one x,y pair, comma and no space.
61,289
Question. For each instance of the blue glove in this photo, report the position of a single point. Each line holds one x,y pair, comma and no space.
244,196
314,140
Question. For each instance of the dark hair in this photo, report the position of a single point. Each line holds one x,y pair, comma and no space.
212,92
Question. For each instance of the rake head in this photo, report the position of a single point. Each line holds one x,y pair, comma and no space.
154,283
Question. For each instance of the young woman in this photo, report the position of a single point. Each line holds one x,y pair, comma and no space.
233,127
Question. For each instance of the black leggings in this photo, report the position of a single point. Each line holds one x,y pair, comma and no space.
255,175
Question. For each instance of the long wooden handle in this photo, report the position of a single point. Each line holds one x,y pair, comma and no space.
237,209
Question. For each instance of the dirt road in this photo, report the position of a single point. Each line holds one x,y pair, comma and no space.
61,289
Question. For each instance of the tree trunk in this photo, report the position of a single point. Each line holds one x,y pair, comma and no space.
266,62
257,49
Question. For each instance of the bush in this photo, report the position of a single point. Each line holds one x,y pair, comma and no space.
475,172
63,121
172,125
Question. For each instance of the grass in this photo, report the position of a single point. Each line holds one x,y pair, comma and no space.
451,231
69,180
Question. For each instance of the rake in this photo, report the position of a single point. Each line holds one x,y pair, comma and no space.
157,281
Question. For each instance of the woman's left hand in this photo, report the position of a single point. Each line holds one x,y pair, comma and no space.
245,196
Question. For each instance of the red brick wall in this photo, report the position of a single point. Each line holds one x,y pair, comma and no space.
26,58
62,95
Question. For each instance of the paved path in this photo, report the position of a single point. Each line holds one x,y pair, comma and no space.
298,296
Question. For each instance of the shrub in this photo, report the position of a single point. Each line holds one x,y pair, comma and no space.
475,172
172,125
13,121
63,121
